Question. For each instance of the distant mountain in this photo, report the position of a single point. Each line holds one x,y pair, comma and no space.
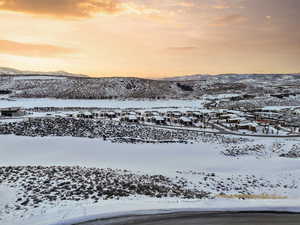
241,78
189,77
11,71
28,84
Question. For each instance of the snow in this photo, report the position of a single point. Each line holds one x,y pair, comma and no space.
221,96
159,118
186,119
152,158
36,102
7,195
132,117
277,108
165,159
113,208
235,118
111,113
97,153
248,123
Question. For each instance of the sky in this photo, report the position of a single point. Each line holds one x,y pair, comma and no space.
151,38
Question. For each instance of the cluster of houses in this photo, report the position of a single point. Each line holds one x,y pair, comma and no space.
283,116
186,118
233,120
277,117
252,120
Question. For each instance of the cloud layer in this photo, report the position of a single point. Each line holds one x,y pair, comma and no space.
151,37
62,8
32,50
229,19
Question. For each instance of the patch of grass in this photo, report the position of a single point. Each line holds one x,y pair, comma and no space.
246,196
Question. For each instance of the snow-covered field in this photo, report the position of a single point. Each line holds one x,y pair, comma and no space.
192,162
150,158
43,102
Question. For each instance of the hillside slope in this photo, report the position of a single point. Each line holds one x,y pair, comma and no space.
73,87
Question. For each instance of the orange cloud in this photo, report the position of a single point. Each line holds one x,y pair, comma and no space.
32,50
226,4
181,49
62,8
184,4
229,19
222,5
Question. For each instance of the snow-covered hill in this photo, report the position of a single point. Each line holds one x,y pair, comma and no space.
236,77
191,77
73,86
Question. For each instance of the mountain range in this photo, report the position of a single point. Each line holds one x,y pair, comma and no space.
11,71
29,84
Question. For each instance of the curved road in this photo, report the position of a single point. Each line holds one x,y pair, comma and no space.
222,131
204,218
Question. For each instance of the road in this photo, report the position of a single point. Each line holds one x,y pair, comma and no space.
204,218
221,132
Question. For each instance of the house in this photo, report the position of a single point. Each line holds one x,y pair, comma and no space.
219,113
130,118
118,113
186,121
126,113
110,114
70,115
159,120
247,126
175,114
236,98
235,120
249,96
296,111
226,116
151,113
11,112
86,115
96,114
196,114
173,120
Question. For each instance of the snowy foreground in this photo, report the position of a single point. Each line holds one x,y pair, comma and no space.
198,166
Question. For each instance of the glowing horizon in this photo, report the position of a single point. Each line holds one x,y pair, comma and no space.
150,38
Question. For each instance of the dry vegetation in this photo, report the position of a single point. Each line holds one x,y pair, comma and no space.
251,196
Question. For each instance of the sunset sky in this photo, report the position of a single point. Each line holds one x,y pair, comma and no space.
151,38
